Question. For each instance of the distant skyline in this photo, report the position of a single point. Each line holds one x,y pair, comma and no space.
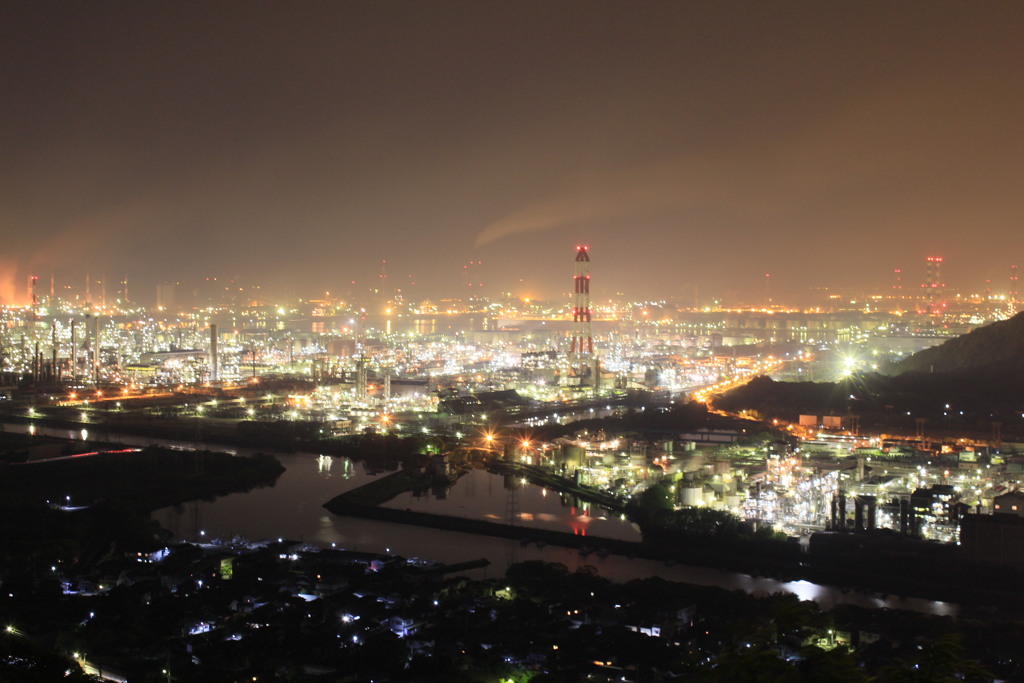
689,144
199,291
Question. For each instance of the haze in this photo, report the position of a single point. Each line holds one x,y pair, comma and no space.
689,144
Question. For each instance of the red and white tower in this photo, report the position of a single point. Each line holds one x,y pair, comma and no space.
581,348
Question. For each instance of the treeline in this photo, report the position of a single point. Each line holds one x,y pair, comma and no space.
38,538
891,562
677,417
710,534
75,511
382,451
278,435
145,480
975,400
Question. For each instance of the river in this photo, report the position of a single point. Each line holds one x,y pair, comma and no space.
292,509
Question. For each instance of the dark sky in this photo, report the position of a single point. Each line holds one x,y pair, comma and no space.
688,143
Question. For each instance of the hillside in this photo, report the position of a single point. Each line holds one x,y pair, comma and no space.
997,348
964,385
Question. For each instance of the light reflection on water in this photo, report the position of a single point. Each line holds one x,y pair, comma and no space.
292,509
482,495
826,596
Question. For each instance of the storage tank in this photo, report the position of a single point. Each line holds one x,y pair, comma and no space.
691,496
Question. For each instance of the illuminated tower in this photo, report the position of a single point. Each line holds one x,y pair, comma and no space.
933,272
361,378
933,283
581,348
34,320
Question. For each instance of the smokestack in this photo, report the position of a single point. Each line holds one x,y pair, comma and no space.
581,347
213,353
96,349
361,379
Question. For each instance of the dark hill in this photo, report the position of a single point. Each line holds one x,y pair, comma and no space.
995,349
974,402
965,385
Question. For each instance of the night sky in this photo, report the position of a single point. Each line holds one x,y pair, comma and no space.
297,144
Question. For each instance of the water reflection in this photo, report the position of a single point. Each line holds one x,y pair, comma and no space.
482,495
328,467
825,596
293,509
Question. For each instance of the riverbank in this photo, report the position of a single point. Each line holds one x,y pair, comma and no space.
143,479
345,507
696,553
383,488
540,476
968,594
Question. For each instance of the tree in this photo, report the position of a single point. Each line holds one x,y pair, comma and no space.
941,661
656,500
